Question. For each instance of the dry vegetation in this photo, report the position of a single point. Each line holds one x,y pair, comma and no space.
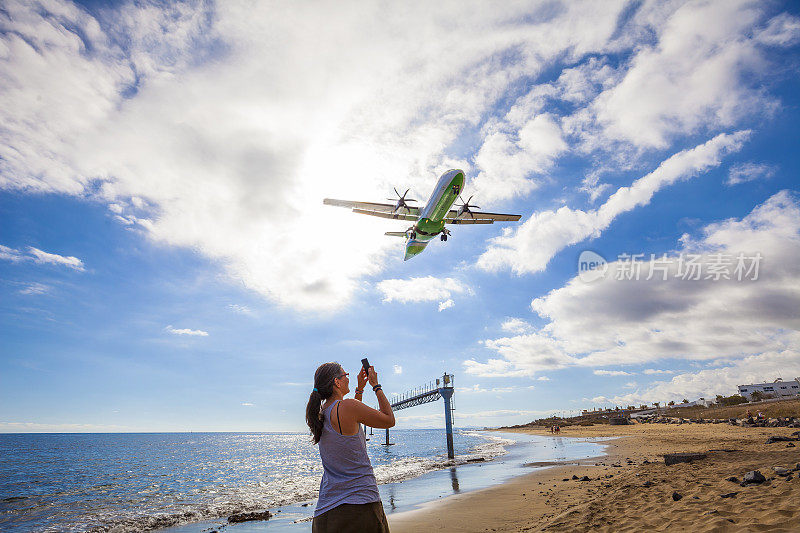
774,409
770,409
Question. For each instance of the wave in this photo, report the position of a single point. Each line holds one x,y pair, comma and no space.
411,467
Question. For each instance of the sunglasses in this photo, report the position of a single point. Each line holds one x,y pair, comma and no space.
343,375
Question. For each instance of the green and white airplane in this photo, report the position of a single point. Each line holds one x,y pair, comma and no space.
431,219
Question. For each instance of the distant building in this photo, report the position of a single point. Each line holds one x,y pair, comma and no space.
701,401
776,389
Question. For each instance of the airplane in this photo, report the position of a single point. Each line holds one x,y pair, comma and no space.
430,220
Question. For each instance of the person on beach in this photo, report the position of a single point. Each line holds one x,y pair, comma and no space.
348,494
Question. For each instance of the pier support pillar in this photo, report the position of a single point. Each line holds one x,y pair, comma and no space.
447,393
387,436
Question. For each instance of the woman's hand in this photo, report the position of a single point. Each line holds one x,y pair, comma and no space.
362,378
373,376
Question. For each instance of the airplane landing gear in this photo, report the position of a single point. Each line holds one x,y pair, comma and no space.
444,237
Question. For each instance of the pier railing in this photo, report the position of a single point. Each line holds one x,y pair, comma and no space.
422,395
430,392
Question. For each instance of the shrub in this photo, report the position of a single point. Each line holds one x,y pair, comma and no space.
734,399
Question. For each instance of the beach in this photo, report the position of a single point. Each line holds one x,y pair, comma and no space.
600,477
631,489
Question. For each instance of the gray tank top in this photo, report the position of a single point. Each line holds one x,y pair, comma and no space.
347,476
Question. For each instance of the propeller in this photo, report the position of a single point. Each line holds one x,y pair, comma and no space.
465,207
401,200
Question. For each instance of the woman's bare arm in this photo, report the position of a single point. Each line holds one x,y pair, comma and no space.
364,414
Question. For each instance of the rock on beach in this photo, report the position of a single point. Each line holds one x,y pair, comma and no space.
248,517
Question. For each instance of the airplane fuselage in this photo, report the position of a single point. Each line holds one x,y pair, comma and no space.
429,221
431,217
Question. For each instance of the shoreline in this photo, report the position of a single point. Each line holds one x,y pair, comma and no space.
630,488
417,493
465,512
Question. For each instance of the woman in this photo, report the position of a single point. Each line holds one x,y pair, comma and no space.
348,494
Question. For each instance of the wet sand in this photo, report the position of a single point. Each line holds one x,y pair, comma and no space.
616,498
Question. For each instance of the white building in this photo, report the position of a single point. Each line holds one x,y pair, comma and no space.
776,389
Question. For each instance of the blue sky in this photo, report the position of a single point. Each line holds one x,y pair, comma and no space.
166,262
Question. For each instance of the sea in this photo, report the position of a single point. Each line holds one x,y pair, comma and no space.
191,482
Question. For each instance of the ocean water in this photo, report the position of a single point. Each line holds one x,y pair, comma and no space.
136,482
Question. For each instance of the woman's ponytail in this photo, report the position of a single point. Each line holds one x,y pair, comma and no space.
323,388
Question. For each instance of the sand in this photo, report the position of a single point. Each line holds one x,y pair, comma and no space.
615,499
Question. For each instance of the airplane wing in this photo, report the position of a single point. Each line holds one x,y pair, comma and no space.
396,234
475,220
383,214
499,217
370,208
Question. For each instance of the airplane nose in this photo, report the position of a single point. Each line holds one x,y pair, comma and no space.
414,248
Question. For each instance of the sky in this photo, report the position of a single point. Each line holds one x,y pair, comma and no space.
167,264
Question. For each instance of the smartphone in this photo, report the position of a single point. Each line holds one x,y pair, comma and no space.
365,364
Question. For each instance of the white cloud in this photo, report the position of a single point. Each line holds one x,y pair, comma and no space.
782,30
397,369
690,80
506,159
477,389
502,412
447,304
582,83
186,331
611,373
40,257
530,248
627,321
652,371
523,355
744,172
39,427
427,289
241,309
516,325
11,254
35,288
708,383
468,416
246,149
591,185
543,378
247,404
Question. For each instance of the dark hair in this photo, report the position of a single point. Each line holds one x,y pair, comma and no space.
323,382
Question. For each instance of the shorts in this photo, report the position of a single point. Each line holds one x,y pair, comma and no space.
352,517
